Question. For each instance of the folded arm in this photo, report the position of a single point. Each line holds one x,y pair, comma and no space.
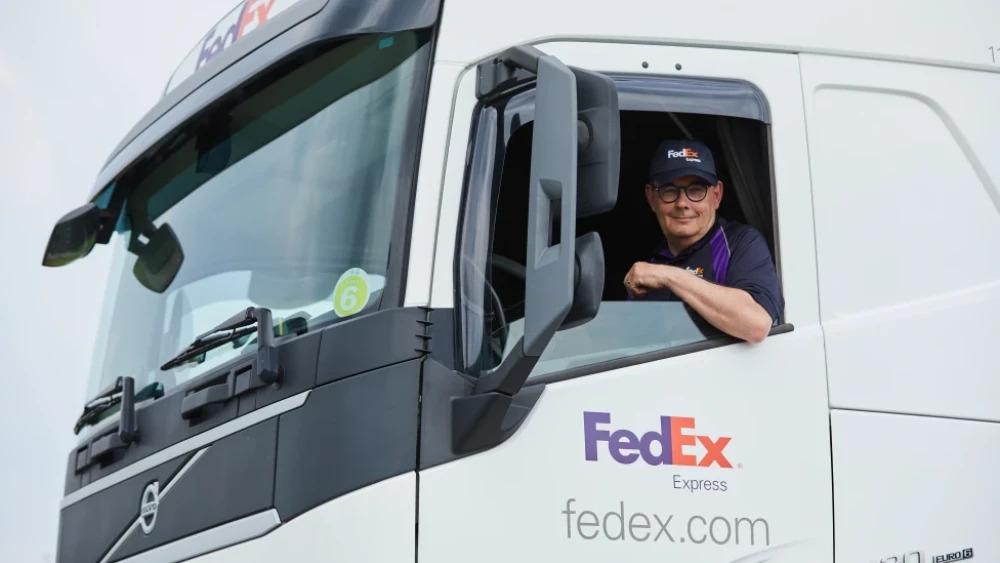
728,309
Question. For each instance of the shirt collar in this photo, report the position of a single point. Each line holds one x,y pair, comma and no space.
664,250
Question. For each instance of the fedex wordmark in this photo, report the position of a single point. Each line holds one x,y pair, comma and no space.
674,443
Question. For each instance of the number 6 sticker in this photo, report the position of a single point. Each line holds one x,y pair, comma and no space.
351,293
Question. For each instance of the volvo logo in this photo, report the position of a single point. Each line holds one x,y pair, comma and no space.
149,503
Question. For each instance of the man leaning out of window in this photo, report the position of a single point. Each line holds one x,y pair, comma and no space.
721,269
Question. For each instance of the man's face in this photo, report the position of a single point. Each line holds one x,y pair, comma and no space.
684,220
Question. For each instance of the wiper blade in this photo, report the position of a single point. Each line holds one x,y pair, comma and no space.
195,352
93,410
110,397
234,328
236,380
231,329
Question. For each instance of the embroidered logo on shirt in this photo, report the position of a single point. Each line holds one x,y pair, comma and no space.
699,271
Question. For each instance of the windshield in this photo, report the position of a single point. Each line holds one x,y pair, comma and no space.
282,196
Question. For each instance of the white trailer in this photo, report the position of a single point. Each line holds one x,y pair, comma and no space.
450,370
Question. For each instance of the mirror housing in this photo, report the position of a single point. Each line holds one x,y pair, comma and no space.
159,259
589,281
74,235
550,268
598,143
598,121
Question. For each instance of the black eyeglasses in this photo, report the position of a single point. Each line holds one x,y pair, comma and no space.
670,193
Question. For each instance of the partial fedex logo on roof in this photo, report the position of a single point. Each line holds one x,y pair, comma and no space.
687,154
242,20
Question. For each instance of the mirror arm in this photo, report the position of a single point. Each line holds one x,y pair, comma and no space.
497,406
522,56
106,226
510,375
511,67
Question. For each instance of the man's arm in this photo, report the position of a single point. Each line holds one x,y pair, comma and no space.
728,309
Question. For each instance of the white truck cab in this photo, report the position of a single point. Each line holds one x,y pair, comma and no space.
366,303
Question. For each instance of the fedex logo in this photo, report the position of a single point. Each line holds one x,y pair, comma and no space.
674,443
246,18
683,153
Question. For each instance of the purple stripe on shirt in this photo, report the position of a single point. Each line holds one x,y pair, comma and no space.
720,256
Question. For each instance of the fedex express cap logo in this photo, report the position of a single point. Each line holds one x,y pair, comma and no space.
687,154
675,442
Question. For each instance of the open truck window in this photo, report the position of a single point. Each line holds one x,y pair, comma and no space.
731,117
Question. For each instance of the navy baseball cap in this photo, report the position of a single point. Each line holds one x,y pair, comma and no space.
674,159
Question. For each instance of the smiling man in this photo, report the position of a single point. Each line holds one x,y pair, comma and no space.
721,269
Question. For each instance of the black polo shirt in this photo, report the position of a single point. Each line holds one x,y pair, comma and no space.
730,254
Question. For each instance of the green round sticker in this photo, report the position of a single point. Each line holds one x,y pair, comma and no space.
350,295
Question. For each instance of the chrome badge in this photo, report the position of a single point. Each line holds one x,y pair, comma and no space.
149,503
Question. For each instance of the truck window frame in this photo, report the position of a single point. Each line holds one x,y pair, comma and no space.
495,120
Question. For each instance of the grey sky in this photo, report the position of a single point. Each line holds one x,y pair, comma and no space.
74,77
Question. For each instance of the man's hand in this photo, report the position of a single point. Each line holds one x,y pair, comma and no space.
644,276
728,309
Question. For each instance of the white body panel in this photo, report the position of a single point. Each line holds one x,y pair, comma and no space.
907,157
915,484
371,524
940,32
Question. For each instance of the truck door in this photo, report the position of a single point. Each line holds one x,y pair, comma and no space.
640,434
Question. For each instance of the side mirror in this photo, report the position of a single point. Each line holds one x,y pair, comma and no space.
159,259
74,235
563,280
549,267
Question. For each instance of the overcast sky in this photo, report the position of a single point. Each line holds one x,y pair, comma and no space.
74,77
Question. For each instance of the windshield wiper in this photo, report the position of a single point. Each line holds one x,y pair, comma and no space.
104,401
234,328
264,370
100,449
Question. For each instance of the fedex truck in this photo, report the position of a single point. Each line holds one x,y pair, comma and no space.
365,299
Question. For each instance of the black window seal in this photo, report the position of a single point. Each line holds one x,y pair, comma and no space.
775,227
497,103
729,97
397,268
